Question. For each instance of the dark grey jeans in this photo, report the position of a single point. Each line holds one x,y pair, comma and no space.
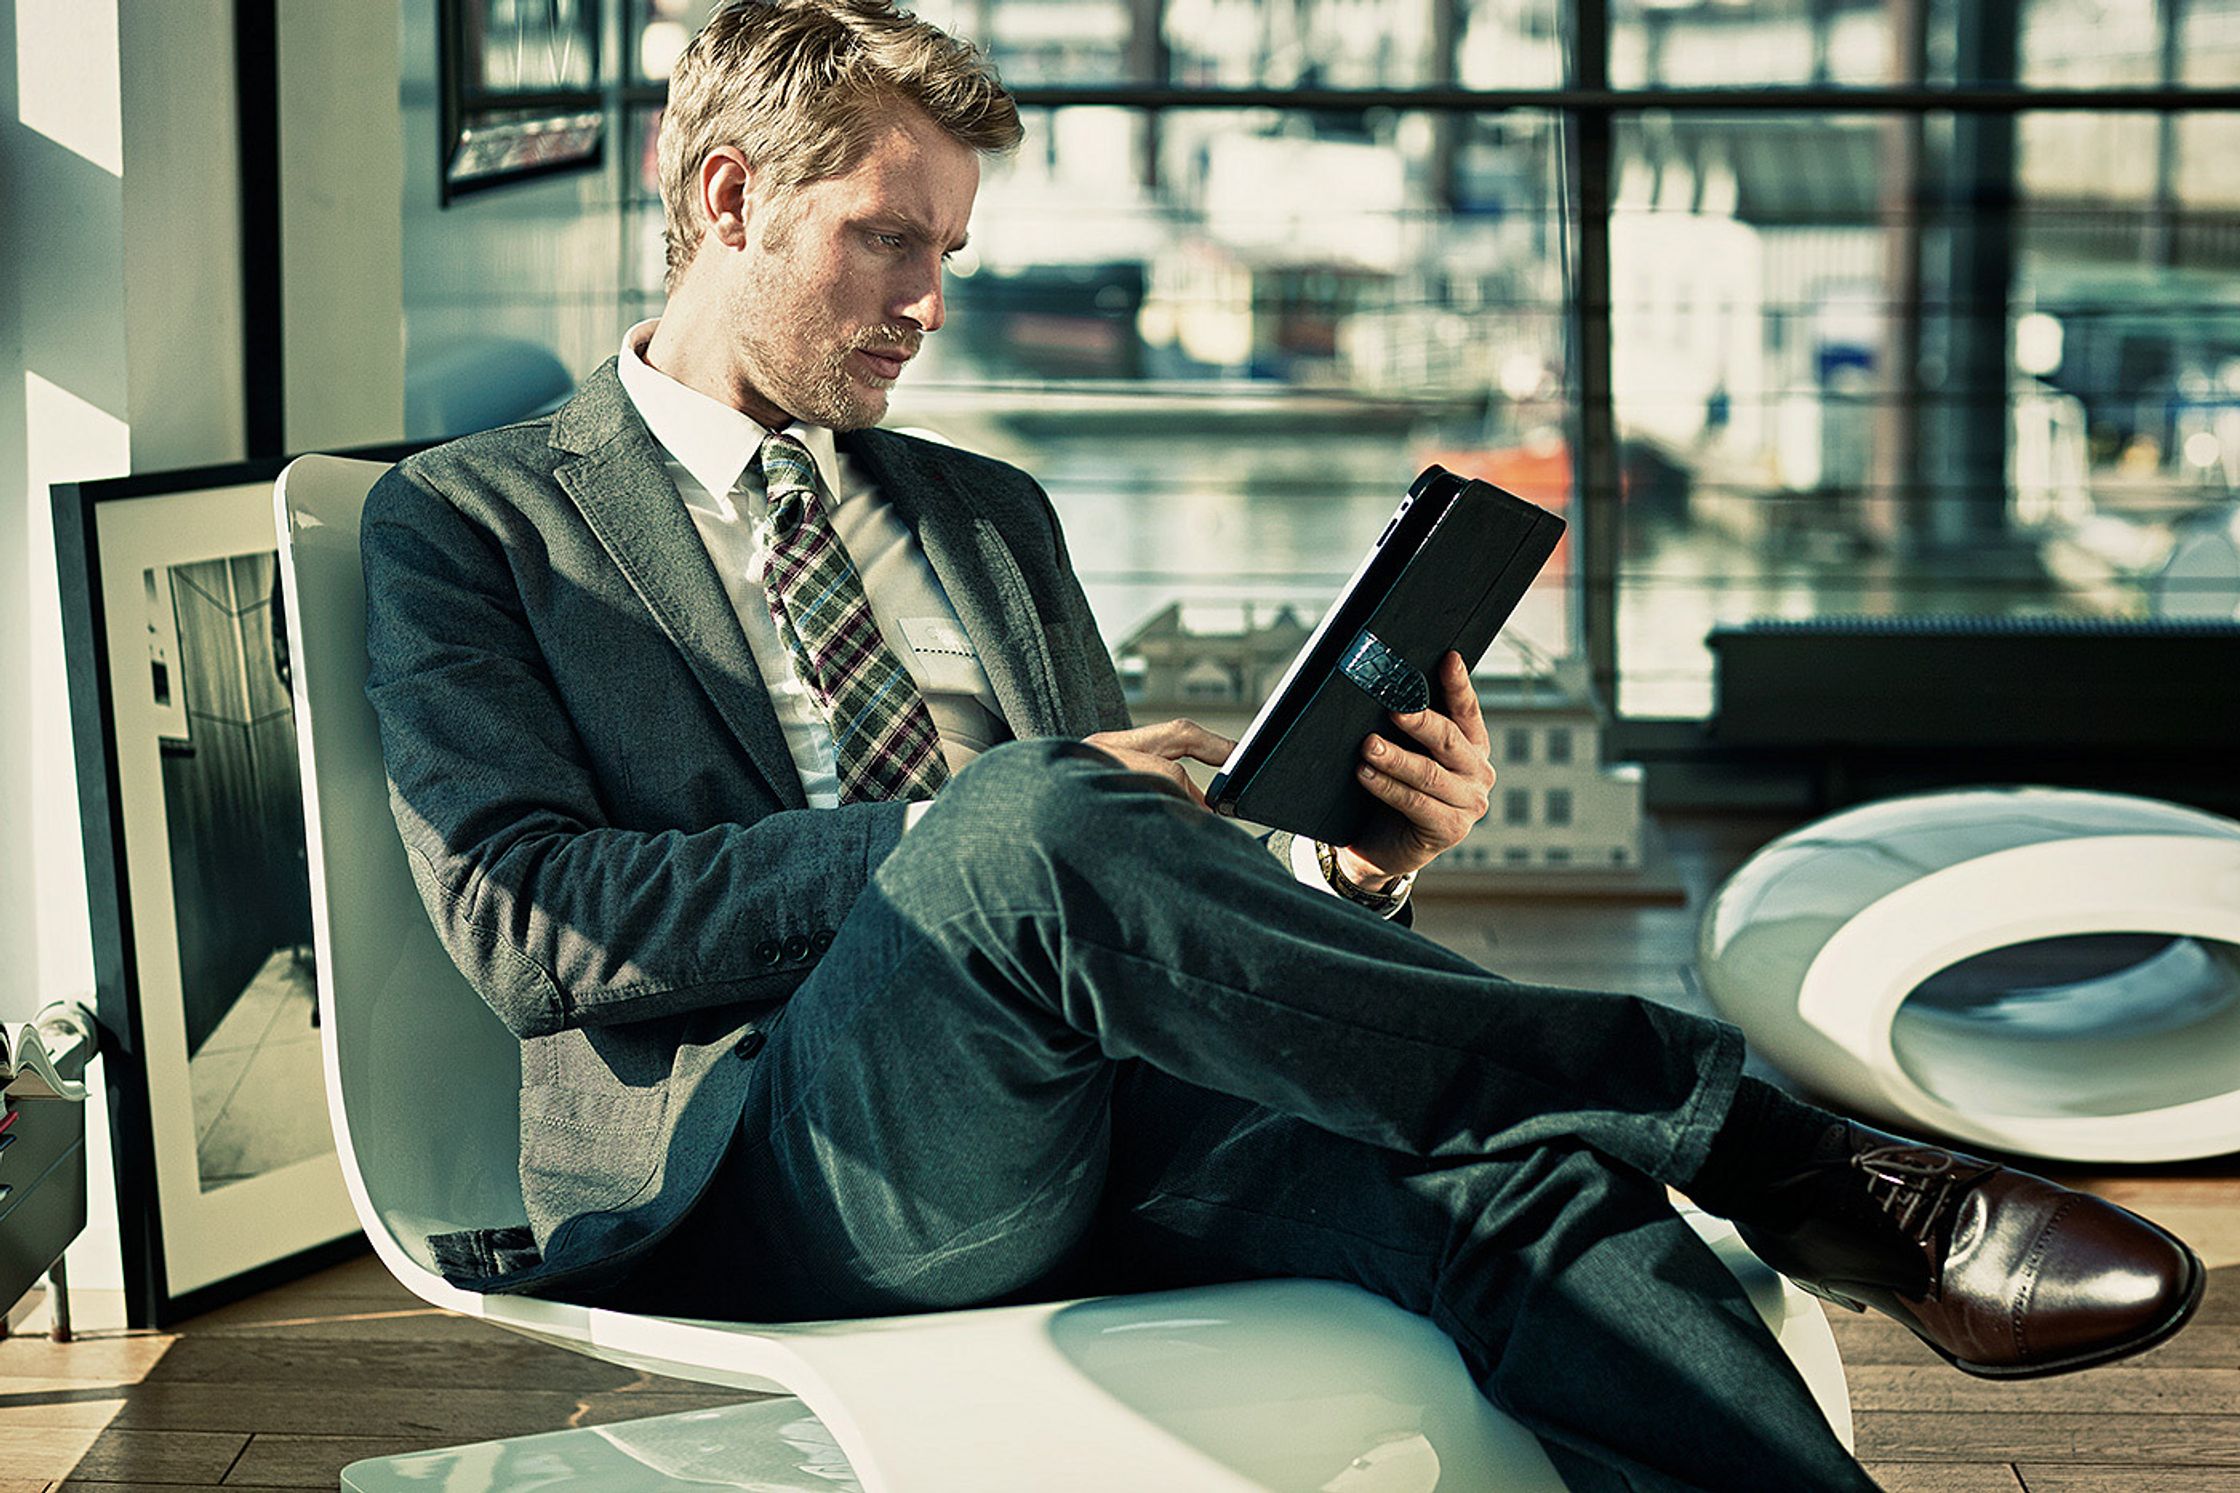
1081,1036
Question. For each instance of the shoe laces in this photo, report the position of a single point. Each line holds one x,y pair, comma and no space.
1913,1183
1917,1187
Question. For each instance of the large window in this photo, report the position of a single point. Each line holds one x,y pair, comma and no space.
1793,307
1974,365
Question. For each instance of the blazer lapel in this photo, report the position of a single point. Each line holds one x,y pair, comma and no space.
978,571
621,485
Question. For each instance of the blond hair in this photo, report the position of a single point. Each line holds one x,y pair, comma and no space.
799,87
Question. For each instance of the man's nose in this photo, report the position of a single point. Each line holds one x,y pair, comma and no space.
923,303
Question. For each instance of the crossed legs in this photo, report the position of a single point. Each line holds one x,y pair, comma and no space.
1079,1036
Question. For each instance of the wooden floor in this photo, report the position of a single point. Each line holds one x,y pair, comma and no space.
285,1389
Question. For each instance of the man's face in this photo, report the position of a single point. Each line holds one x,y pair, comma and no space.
841,279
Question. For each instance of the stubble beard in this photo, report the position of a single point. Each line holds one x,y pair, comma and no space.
797,355
780,346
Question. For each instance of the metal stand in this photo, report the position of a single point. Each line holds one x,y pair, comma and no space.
58,1304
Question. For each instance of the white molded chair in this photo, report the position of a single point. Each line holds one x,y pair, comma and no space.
1274,1385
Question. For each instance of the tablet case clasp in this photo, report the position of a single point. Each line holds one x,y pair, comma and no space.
1388,678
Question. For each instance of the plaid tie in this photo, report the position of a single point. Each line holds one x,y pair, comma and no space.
882,733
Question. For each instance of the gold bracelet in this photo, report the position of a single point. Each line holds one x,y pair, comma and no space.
1326,856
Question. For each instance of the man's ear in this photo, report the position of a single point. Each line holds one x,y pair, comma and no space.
726,195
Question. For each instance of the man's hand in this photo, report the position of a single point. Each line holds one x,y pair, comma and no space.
1161,749
1437,792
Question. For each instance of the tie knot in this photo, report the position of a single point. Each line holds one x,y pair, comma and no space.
786,467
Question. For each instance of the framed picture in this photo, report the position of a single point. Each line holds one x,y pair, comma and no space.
192,811
520,91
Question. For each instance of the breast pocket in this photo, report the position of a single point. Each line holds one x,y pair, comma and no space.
956,688
943,657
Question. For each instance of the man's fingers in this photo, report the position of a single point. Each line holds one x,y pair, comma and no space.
1186,738
1440,782
1434,781
1462,700
1173,772
1135,759
1442,738
1172,740
1436,821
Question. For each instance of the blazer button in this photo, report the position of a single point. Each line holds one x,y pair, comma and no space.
750,1044
768,951
797,947
821,940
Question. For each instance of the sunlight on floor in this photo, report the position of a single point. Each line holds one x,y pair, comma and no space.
57,1398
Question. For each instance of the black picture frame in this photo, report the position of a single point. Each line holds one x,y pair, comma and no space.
546,115
183,1253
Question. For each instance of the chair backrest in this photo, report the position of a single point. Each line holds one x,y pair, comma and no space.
422,1080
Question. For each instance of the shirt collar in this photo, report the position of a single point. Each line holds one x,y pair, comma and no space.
708,438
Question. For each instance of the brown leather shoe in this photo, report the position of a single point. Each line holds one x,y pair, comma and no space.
2003,1274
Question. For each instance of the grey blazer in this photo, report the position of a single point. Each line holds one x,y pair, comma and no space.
596,798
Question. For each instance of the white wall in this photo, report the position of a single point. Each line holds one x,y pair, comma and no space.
120,350
182,233
122,326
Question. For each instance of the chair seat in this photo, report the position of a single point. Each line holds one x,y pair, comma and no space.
1284,1386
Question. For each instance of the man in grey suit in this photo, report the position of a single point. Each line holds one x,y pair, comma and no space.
766,774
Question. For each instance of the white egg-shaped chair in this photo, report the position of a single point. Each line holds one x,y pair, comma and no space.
1274,1385
2043,971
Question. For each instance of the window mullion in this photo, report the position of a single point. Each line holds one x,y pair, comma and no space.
1595,494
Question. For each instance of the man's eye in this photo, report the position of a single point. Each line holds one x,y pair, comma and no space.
887,240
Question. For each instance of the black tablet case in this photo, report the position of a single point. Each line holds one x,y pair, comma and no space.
1478,552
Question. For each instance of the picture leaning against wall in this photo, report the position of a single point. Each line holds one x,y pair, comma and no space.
191,797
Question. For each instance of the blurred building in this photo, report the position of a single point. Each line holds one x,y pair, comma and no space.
1557,806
